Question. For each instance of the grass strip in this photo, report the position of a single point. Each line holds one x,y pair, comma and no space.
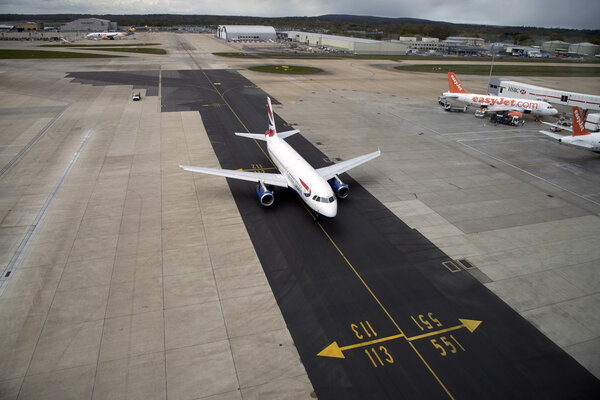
101,45
235,55
143,50
285,69
15,54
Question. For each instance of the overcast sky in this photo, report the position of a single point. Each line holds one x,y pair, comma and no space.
579,14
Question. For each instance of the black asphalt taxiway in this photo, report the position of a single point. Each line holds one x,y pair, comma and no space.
372,310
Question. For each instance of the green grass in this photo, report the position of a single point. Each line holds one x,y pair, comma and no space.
285,69
14,54
236,55
100,45
314,56
143,50
503,69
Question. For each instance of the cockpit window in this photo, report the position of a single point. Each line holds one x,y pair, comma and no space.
324,199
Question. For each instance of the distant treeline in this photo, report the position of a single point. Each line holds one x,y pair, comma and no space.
370,27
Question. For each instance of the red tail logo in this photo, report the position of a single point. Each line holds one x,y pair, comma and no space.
454,84
272,130
306,188
578,123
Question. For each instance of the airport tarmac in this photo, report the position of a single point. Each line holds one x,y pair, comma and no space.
142,280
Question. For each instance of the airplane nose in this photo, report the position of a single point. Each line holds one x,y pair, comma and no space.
330,211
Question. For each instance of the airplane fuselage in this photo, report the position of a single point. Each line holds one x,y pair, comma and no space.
302,177
104,35
589,142
496,103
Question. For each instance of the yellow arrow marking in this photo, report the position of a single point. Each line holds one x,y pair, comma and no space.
470,324
335,351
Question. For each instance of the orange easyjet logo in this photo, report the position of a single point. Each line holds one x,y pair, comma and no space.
492,101
579,120
456,83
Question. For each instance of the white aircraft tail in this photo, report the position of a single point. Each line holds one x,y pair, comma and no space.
272,131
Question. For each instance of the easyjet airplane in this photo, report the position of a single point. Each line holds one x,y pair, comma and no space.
580,137
317,188
496,103
109,35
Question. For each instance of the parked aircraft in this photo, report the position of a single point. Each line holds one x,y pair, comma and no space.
318,188
495,103
580,137
109,35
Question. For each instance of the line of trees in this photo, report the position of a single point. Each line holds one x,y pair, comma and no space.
366,26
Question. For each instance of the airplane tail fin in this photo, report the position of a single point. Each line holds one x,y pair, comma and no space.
272,130
578,123
454,84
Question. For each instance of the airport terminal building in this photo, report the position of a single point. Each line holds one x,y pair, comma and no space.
240,33
350,44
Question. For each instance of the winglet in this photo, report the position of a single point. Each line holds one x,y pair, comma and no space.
578,123
454,84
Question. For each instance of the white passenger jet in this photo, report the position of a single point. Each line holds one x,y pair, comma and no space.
315,187
495,103
109,35
580,137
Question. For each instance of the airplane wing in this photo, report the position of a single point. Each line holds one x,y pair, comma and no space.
497,108
566,128
332,170
262,136
581,143
267,178
255,136
552,135
285,134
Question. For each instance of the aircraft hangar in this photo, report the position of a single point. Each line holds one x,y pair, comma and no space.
235,33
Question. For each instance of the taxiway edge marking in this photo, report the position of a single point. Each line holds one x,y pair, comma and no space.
25,242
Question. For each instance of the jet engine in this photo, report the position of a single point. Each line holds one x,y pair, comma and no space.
340,188
264,195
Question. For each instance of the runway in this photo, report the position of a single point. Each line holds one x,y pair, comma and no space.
369,283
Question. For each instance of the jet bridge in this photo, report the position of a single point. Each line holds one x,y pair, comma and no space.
508,88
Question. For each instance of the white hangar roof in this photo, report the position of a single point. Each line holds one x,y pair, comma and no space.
247,29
